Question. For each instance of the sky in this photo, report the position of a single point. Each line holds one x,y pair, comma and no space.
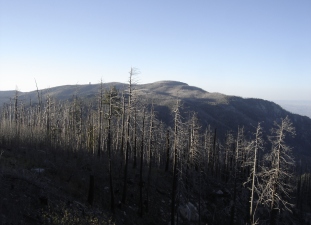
247,48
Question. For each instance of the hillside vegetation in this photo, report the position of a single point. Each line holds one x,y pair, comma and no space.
160,153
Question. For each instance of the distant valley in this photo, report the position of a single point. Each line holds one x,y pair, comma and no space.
298,107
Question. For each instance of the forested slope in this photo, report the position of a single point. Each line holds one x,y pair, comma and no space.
168,151
220,111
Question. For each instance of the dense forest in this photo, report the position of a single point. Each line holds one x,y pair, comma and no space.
179,172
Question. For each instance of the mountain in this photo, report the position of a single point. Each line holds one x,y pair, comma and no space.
218,110
5,96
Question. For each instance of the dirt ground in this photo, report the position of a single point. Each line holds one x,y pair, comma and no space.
51,187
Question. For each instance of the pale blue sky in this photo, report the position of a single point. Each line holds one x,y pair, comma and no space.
259,49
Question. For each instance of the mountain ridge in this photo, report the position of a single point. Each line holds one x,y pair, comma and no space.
81,89
220,111
180,90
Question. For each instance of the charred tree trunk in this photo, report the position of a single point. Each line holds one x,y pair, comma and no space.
109,156
122,131
150,155
90,198
167,150
175,163
141,167
128,145
135,139
99,141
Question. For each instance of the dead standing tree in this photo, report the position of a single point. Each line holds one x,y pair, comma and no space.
167,150
132,73
112,99
141,165
277,174
100,114
175,161
150,146
254,147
